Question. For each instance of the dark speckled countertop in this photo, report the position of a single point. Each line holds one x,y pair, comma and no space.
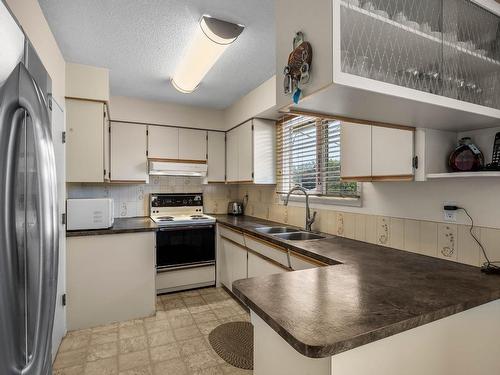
374,292
123,225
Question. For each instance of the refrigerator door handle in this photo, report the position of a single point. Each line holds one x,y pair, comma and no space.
23,92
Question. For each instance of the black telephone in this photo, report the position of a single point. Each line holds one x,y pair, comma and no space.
495,158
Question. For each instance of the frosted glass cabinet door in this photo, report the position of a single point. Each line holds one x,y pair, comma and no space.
245,152
392,152
128,152
216,157
192,144
449,48
355,151
163,142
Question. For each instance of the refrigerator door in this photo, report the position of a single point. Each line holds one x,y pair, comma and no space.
28,228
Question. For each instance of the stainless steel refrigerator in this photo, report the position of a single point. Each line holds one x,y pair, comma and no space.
28,207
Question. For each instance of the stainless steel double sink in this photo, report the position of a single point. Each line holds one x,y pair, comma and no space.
291,234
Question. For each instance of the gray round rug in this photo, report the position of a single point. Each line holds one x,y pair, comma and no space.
233,342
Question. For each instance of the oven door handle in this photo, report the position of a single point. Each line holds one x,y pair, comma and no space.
184,227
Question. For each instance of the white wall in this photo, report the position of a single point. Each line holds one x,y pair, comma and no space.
260,102
138,110
424,200
30,16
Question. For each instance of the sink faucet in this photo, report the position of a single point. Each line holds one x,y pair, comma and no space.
309,219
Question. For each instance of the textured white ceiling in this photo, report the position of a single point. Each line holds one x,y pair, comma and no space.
142,42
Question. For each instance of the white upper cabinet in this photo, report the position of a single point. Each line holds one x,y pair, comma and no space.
128,152
216,157
107,144
87,82
232,156
392,152
251,152
85,123
163,142
355,151
244,134
435,65
376,153
192,144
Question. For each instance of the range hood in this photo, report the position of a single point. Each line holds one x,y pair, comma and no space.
173,168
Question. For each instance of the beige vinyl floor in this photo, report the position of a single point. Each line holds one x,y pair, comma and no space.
173,342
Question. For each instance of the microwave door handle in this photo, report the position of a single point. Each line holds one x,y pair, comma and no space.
21,92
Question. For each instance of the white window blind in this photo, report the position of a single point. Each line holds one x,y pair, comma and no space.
308,154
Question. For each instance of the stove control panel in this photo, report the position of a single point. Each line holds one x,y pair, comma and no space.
176,200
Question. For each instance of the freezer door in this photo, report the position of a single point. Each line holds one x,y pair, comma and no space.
28,228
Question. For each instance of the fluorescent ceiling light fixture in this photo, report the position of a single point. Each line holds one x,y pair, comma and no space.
211,40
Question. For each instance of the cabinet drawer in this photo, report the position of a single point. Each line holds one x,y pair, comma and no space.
258,266
301,262
268,250
231,234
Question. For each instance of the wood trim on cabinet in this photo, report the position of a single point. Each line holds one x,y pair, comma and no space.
354,120
87,100
355,178
305,258
127,181
240,182
216,182
233,242
186,161
401,177
167,126
269,260
231,229
267,243
256,253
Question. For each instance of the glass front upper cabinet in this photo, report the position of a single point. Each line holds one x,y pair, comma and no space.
444,47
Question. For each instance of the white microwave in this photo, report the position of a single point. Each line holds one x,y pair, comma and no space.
89,213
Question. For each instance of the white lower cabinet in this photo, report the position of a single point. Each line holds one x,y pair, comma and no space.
110,278
232,262
302,263
257,266
241,255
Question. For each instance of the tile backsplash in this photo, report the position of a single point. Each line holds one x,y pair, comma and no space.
133,200
448,241
442,240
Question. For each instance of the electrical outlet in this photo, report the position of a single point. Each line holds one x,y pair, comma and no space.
450,216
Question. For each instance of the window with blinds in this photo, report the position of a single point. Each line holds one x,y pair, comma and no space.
308,154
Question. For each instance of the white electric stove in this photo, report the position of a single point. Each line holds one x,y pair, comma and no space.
185,242
178,210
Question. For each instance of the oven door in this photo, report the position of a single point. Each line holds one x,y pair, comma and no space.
186,246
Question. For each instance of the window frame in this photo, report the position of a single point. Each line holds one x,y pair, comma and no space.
321,197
